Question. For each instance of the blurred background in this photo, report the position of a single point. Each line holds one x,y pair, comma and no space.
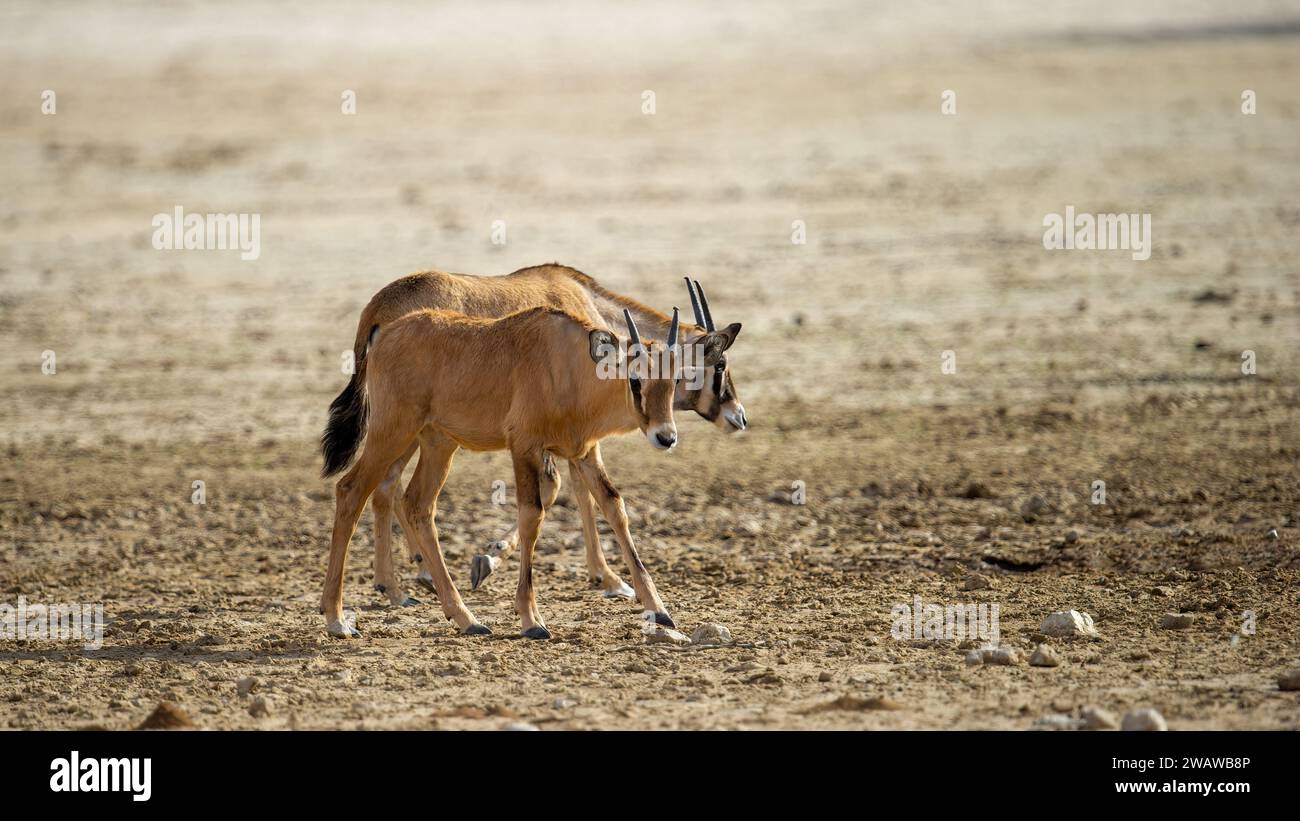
923,235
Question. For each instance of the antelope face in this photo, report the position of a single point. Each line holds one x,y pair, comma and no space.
706,386
652,372
656,396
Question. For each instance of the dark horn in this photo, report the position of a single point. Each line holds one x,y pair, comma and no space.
695,303
704,303
672,330
631,330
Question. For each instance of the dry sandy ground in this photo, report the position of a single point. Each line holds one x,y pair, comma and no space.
924,235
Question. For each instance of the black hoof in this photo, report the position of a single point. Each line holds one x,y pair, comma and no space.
540,633
410,601
381,588
664,619
476,630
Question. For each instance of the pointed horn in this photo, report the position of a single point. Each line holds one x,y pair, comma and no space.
672,330
695,303
704,303
631,330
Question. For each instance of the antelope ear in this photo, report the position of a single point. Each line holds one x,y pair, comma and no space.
716,343
602,344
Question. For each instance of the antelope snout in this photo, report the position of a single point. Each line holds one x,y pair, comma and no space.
663,437
735,417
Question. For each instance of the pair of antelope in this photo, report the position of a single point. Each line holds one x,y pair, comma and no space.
445,361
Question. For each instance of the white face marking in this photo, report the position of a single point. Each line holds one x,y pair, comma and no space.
735,416
668,431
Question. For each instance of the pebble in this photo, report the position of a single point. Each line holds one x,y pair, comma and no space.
1289,680
1144,720
824,676
520,727
1177,621
974,658
1044,656
248,684
974,581
1000,655
563,703
1068,623
260,708
1056,721
1095,718
711,634
658,634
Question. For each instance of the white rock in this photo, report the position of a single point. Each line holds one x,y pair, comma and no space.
1145,719
1095,718
711,634
248,684
520,727
658,634
1064,623
1056,721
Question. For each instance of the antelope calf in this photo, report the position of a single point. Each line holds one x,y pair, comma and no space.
711,394
526,383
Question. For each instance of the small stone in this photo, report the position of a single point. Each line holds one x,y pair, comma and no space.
1001,655
1095,718
248,684
711,634
1289,680
1044,656
1067,623
824,676
1071,536
1272,534
563,703
1057,721
658,634
1177,621
166,716
520,727
260,708
974,658
1163,592
975,581
1144,720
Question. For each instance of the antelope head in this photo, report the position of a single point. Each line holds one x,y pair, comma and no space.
706,386
652,371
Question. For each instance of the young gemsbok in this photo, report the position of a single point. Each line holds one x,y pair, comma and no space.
712,395
526,383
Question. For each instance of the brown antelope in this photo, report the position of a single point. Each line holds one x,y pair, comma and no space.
713,397
524,383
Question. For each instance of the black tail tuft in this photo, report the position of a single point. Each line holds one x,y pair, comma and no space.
346,425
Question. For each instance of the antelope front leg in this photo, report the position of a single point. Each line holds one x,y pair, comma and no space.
484,564
611,504
382,504
350,494
421,507
597,569
528,470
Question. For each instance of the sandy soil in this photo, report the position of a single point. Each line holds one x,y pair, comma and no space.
924,236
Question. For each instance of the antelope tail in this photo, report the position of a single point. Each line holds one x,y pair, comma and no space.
347,419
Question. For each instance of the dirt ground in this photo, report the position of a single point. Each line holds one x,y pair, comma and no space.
924,235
